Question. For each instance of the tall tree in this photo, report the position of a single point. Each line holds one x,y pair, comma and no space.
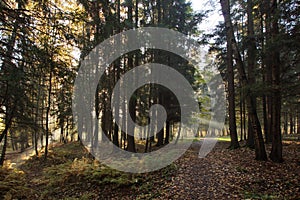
230,74
251,62
260,152
276,152
132,102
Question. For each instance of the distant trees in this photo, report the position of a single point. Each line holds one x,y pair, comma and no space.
172,14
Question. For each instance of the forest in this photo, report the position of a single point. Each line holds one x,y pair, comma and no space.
255,48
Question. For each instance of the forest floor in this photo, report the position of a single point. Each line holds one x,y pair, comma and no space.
71,173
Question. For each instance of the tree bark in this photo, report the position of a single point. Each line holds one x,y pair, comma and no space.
250,138
168,132
132,102
291,123
251,58
285,124
241,114
298,122
117,77
268,71
230,75
276,152
3,152
48,111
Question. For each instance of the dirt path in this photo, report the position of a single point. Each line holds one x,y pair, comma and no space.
16,159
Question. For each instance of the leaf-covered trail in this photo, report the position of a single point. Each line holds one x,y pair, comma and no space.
234,174
71,173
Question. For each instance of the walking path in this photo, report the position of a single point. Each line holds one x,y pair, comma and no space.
15,159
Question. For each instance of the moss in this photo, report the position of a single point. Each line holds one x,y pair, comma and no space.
13,184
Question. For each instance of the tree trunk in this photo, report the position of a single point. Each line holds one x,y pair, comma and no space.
62,138
130,129
160,134
241,114
36,129
230,76
244,118
251,59
158,12
168,132
265,116
117,77
3,152
285,124
298,121
42,123
250,138
160,138
132,102
48,111
264,76
276,152
291,123
268,71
